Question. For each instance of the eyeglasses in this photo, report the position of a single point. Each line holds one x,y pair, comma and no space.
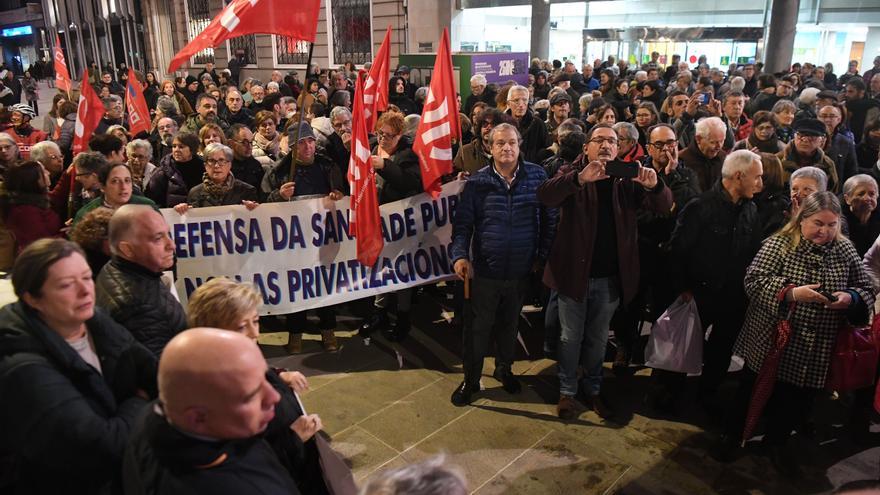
216,162
243,142
808,139
600,141
519,101
824,116
389,137
664,144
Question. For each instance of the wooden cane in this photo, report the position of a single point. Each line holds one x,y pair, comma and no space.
467,286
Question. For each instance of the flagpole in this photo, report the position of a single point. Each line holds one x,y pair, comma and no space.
302,112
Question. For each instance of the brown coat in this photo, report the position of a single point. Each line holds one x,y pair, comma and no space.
708,170
568,269
820,160
470,158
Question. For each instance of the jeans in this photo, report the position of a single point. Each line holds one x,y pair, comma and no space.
551,325
493,303
585,334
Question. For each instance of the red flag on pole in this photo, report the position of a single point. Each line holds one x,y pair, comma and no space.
136,104
376,87
62,77
365,223
439,124
243,17
88,114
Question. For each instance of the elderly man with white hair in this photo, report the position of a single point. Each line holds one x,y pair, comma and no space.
480,91
704,155
49,155
8,151
533,131
715,238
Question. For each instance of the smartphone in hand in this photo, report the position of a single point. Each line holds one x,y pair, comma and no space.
622,169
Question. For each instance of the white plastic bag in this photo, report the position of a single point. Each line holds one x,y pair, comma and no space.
676,341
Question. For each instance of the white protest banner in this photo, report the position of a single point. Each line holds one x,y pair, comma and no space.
299,254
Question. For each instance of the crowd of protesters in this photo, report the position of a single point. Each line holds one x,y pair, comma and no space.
601,195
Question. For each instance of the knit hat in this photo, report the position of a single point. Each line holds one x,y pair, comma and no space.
190,80
305,132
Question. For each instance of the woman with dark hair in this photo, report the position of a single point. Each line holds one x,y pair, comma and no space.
52,122
868,151
151,91
181,104
773,201
27,212
763,135
266,138
618,97
646,117
79,380
542,87
397,96
177,173
606,81
117,189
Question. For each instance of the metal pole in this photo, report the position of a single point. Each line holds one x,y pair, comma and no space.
108,40
299,124
123,30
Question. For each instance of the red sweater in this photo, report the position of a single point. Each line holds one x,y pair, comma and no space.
29,223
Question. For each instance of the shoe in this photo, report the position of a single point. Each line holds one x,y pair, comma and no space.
328,340
463,395
785,461
599,407
509,382
294,344
621,362
377,320
566,409
400,330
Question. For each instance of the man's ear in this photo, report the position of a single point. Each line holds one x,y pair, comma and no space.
125,249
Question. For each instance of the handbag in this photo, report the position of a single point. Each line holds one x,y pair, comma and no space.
676,341
854,361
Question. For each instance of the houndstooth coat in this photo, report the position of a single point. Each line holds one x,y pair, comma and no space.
806,358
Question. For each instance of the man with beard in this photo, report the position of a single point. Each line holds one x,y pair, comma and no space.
245,167
166,130
234,112
533,131
338,146
206,112
107,82
22,132
314,175
114,114
478,153
560,108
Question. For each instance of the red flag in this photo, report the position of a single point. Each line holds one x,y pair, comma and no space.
376,87
365,222
439,122
62,77
243,17
88,115
136,104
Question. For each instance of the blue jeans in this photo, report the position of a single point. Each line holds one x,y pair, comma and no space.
585,334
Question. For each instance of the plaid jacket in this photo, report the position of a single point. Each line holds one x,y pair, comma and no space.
806,358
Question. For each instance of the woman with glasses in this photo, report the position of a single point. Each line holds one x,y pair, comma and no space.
646,117
763,136
138,153
839,144
784,110
116,190
219,187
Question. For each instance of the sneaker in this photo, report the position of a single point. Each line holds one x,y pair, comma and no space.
376,321
508,381
328,339
463,395
598,405
566,409
294,344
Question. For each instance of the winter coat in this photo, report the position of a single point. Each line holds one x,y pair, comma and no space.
139,300
571,257
401,175
842,151
160,460
806,357
655,228
167,187
65,139
28,222
250,171
240,191
244,117
534,136
471,158
29,85
713,242
487,96
862,236
773,210
503,230
321,177
67,424
791,162
25,137
708,170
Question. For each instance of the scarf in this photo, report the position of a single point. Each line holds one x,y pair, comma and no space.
769,146
213,193
270,147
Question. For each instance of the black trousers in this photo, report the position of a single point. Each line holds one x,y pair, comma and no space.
493,304
787,409
297,322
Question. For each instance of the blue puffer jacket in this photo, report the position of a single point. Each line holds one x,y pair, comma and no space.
508,229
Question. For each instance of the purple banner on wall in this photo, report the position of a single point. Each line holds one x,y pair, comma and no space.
502,67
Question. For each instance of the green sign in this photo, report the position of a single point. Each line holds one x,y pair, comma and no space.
725,61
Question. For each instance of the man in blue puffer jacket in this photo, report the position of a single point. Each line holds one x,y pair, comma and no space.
501,233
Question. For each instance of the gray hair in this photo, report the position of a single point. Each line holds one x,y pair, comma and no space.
421,93
116,127
685,74
641,75
855,181
110,100
6,137
737,84
411,124
517,87
139,144
430,477
479,79
585,100
627,129
813,173
705,125
287,100
215,147
40,151
738,161
272,84
504,127
783,105
808,96
123,222
337,111
165,104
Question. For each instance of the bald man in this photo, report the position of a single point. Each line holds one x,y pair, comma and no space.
204,433
130,287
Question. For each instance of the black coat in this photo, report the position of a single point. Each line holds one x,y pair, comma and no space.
137,299
534,136
843,152
65,423
402,173
167,187
248,170
240,191
160,460
487,96
321,177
